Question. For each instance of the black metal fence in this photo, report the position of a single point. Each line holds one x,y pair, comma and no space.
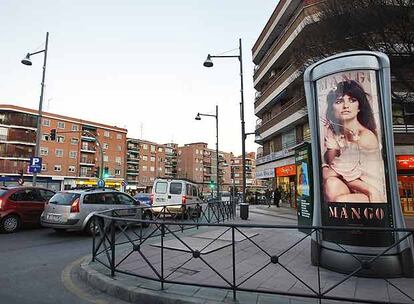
204,245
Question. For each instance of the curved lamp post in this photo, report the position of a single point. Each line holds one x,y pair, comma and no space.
209,63
198,117
26,61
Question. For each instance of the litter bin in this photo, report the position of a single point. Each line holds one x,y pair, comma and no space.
244,211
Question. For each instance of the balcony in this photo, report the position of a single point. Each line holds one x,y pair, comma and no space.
132,173
88,149
12,118
87,162
291,30
291,108
273,90
132,160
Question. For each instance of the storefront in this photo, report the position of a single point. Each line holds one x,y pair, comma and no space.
286,179
405,170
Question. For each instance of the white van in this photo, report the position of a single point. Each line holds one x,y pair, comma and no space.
178,194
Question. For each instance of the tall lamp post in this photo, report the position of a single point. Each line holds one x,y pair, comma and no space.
208,63
198,117
27,61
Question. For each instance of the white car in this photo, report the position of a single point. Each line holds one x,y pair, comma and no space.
178,194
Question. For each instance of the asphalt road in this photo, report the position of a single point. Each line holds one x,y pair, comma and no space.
38,266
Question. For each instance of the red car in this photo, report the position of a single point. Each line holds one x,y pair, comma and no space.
21,205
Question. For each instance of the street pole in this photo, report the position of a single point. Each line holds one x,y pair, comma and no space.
39,116
217,155
209,63
242,123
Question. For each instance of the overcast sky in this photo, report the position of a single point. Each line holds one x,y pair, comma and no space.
136,63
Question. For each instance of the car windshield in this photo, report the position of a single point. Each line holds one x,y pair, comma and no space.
3,191
64,198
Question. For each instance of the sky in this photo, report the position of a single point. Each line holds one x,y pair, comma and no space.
136,64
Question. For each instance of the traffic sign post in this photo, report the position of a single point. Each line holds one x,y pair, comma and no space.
35,165
101,183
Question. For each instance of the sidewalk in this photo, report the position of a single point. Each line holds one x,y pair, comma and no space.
180,266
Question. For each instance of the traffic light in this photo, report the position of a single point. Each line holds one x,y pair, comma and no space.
211,185
106,172
53,134
96,172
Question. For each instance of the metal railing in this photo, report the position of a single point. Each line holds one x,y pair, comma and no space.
257,258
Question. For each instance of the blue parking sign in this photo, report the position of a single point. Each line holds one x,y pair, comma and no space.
35,165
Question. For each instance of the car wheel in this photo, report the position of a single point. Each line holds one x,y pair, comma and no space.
10,224
93,226
146,216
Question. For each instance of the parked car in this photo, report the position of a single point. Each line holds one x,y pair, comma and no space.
73,209
21,205
179,195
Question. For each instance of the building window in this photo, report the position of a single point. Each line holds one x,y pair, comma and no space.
152,169
75,128
58,168
289,139
72,169
83,171
118,148
152,148
196,151
106,158
271,146
160,169
159,149
44,167
144,157
73,154
145,146
118,160
144,168
153,158
105,146
152,179
44,137
44,151
60,125
46,122
74,140
60,139
306,132
59,152
117,172
196,169
179,152
106,133
118,136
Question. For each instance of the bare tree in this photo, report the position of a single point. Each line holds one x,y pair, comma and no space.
375,25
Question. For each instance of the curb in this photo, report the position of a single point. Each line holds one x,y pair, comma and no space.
115,288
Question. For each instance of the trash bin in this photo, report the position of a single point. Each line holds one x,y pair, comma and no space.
244,211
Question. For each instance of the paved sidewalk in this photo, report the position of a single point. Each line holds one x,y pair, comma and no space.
290,275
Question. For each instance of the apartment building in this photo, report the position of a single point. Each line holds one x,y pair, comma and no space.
280,103
252,184
147,160
199,163
73,159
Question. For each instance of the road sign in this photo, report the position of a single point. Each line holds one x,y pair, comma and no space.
101,183
35,165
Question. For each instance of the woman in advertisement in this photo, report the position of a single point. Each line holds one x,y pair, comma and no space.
352,152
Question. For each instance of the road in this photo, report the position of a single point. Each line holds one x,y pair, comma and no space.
36,266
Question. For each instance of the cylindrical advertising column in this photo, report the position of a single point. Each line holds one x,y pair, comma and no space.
355,182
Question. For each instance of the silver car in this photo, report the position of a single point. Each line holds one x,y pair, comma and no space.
73,209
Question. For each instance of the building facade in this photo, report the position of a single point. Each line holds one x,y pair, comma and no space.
72,160
280,103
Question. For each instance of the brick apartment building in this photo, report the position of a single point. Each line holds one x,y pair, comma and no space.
252,184
148,160
72,160
199,163
280,103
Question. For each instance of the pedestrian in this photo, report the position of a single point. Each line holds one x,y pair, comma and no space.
268,195
276,197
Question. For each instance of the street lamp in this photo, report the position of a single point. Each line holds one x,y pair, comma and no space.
198,117
26,61
209,63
